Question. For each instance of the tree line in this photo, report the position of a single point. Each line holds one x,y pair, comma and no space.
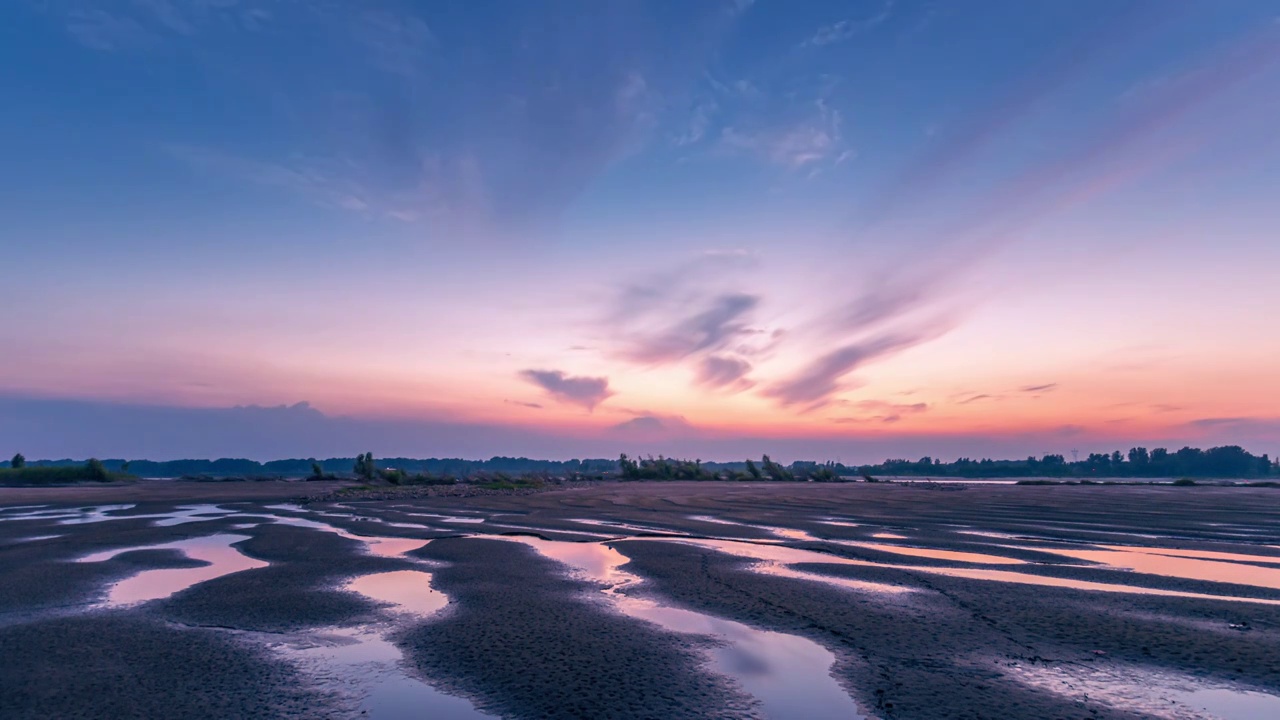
1229,461
341,466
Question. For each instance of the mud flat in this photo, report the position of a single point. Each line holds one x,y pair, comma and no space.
645,600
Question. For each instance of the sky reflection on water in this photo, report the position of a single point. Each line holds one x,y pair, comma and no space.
216,550
788,674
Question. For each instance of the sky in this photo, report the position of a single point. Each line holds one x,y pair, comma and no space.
823,230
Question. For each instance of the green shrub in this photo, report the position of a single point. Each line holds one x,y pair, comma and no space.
66,474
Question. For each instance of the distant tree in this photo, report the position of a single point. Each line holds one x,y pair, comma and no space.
124,466
822,473
18,462
630,469
754,471
317,472
365,467
774,470
96,470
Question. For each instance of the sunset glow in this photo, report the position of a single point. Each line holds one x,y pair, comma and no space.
822,230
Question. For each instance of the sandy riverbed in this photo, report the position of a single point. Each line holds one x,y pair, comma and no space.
994,601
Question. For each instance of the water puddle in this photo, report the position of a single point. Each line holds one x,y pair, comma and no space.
71,516
102,513
1000,535
716,520
788,674
216,550
778,560
888,536
1233,704
951,555
1176,563
379,546
559,531
1010,576
1200,554
191,513
1153,694
390,546
839,522
34,538
793,534
409,590
627,526
782,532
444,518
368,668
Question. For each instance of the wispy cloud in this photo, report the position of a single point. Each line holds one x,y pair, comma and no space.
501,153
398,43
687,313
815,384
722,321
535,406
324,182
844,29
724,372
147,24
884,406
812,140
653,425
699,123
1038,388
100,30
1256,431
1040,189
890,296
587,392
882,411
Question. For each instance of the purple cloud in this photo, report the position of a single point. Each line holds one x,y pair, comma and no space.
587,392
720,372
818,381
721,322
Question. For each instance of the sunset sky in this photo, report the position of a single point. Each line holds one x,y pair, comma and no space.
822,230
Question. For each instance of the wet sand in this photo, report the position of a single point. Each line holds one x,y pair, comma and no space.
527,641
926,598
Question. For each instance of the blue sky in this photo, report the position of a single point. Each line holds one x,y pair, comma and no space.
813,226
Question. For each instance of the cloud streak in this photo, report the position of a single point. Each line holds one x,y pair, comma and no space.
1099,163
724,372
808,142
816,383
586,392
722,321
842,30
690,315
